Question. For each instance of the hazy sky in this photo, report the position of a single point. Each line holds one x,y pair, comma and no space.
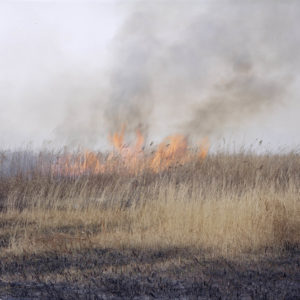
72,71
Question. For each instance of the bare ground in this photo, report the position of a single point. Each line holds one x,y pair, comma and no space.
145,274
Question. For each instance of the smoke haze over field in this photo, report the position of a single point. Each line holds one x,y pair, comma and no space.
73,72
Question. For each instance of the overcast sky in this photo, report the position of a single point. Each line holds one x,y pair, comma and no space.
71,71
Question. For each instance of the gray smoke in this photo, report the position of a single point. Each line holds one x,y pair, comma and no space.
131,95
202,67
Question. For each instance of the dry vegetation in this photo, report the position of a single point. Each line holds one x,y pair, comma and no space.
226,206
229,204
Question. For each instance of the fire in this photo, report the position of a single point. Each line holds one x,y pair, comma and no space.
117,139
173,151
77,164
126,157
203,148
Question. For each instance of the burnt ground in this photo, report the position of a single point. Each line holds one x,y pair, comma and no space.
145,274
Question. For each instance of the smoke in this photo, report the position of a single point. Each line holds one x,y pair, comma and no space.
131,95
202,68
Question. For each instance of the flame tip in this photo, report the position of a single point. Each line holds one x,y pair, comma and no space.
172,152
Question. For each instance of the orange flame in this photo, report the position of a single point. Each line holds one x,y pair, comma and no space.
78,164
117,139
171,152
203,148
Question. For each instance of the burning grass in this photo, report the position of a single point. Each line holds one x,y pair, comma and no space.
225,204
121,224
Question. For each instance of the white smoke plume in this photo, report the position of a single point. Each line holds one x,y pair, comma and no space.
201,68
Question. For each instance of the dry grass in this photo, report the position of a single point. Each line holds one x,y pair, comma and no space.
229,204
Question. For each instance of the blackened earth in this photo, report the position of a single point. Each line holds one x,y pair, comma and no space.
146,274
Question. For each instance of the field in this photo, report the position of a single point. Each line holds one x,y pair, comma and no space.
217,226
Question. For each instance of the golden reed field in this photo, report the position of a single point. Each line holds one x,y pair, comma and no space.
228,203
204,206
